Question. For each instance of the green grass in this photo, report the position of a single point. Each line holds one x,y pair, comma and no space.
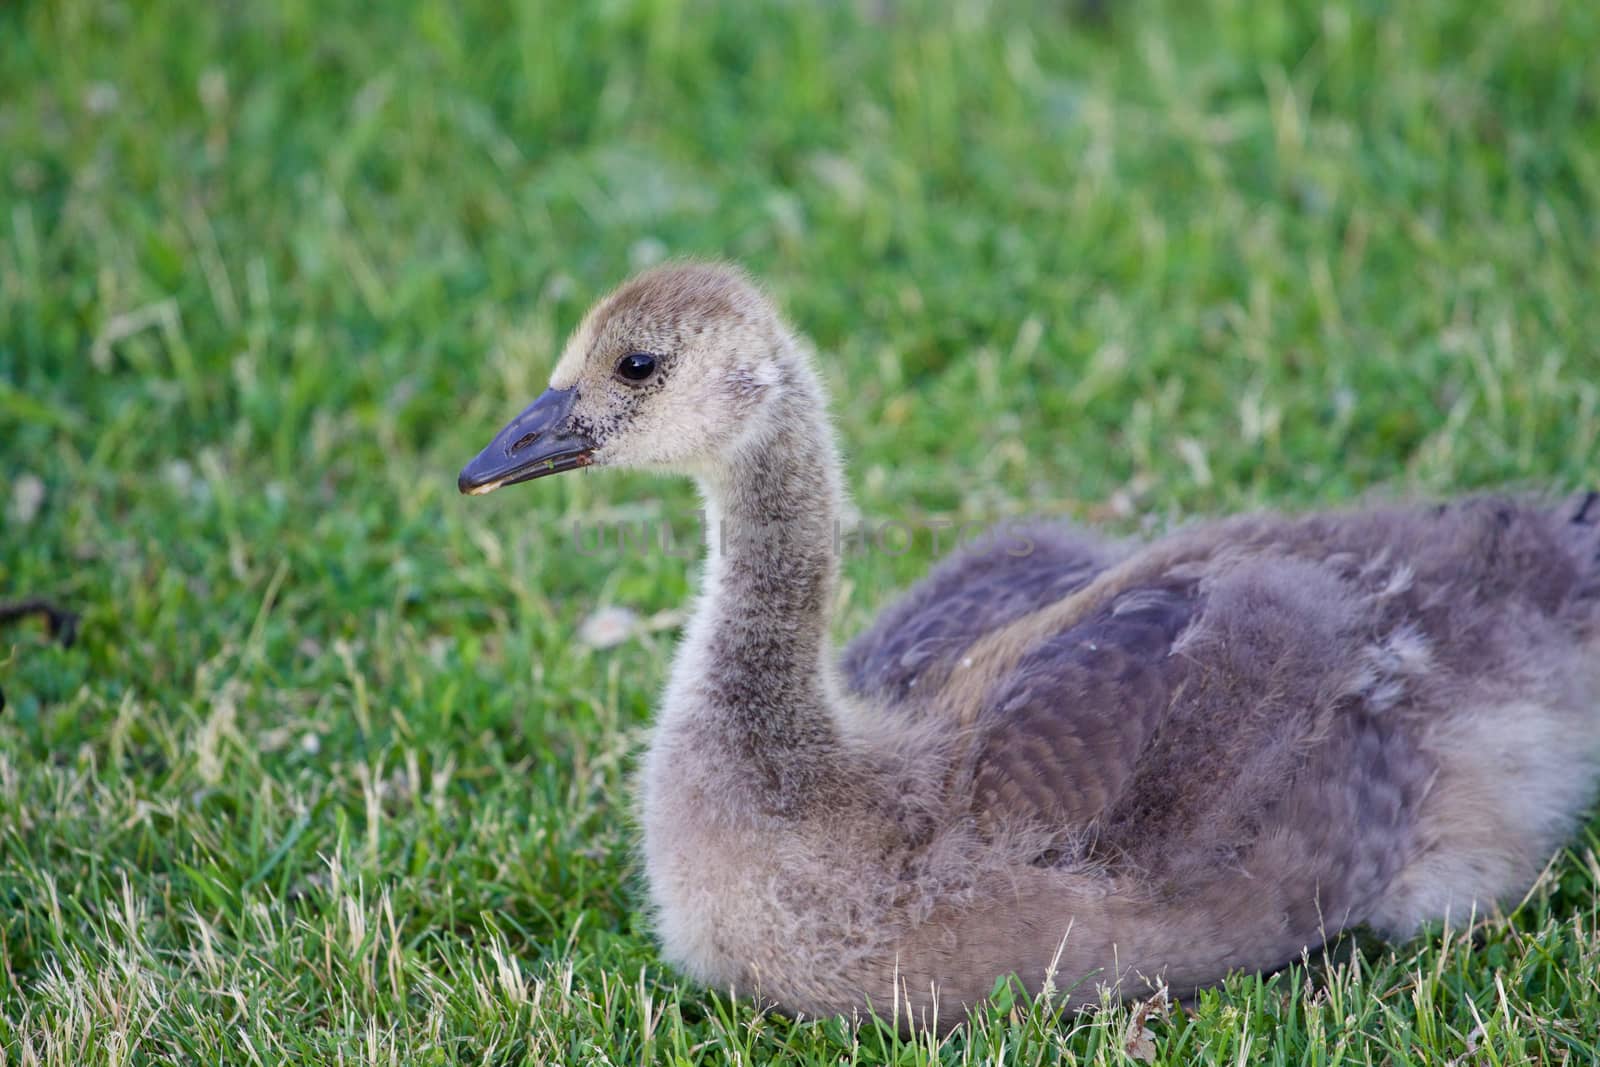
328,778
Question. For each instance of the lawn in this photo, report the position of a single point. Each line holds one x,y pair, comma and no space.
329,775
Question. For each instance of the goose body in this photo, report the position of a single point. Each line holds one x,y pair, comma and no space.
1084,763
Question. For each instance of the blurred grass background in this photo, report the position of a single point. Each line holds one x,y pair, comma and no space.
328,777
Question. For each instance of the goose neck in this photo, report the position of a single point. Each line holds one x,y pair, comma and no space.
756,664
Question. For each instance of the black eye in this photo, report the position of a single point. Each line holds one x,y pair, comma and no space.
636,366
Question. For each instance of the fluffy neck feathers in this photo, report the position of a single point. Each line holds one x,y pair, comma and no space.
756,667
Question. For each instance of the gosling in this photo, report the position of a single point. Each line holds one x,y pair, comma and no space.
1077,762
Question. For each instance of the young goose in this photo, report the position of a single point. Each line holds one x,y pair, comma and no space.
1072,761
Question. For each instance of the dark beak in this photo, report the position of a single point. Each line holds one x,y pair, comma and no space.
537,442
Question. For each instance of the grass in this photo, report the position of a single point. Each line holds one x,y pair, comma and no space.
327,777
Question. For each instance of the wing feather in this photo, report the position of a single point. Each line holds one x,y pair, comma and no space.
1001,577
1060,740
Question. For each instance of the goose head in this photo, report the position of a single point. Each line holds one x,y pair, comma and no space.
676,370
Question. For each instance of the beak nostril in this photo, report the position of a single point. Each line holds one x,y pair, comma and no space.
539,441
